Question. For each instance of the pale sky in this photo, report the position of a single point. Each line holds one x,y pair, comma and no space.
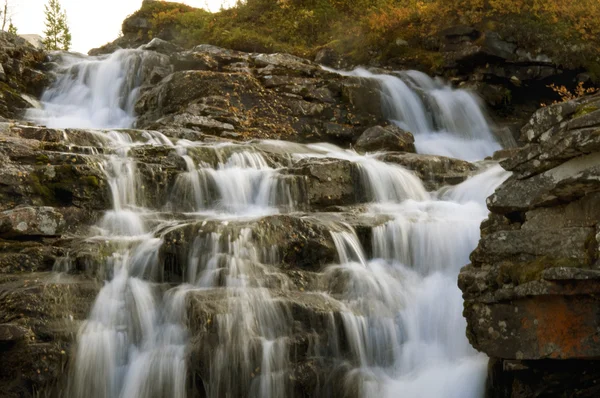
92,22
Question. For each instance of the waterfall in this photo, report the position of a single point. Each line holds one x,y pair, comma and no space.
94,92
241,183
204,290
444,121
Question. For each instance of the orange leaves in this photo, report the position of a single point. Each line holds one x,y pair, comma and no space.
567,95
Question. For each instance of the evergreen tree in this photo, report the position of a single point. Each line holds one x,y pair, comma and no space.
12,28
58,36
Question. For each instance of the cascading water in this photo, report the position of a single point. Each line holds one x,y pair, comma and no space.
389,312
444,121
94,92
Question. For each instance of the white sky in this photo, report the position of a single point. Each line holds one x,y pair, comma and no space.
92,22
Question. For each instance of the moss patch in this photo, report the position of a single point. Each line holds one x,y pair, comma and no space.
520,273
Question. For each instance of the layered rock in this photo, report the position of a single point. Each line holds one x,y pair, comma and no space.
530,291
22,75
55,184
239,95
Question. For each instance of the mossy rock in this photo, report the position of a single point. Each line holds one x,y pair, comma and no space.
520,273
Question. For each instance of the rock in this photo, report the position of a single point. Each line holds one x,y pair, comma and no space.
135,24
550,378
435,171
12,334
22,74
302,243
338,133
31,221
531,288
460,30
284,64
222,55
327,182
328,57
494,45
191,60
203,123
38,319
389,138
161,46
108,48
270,96
364,95
570,180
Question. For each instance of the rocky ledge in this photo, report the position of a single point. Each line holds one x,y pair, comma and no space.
531,290
240,95
54,186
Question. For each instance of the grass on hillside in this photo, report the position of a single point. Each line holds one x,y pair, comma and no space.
362,30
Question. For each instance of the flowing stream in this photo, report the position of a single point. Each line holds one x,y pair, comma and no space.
383,319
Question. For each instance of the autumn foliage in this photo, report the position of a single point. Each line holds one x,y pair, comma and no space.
565,30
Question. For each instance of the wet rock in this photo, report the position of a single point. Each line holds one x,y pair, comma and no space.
298,242
388,138
39,317
327,182
435,171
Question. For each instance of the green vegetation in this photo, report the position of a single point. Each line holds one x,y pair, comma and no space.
362,30
519,273
57,33
12,28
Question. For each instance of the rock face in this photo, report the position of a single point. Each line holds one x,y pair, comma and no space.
46,194
55,184
530,291
512,77
22,78
238,95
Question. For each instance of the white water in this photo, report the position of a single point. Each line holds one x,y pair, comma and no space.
94,92
444,121
397,329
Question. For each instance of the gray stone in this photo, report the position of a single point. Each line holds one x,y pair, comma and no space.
389,138
31,221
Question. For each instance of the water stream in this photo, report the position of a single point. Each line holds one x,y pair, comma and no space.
386,316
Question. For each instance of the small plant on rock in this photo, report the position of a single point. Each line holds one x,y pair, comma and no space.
568,95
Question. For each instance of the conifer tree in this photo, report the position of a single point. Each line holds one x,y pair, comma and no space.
12,28
58,36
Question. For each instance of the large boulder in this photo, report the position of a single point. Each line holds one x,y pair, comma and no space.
388,138
433,170
327,182
531,288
